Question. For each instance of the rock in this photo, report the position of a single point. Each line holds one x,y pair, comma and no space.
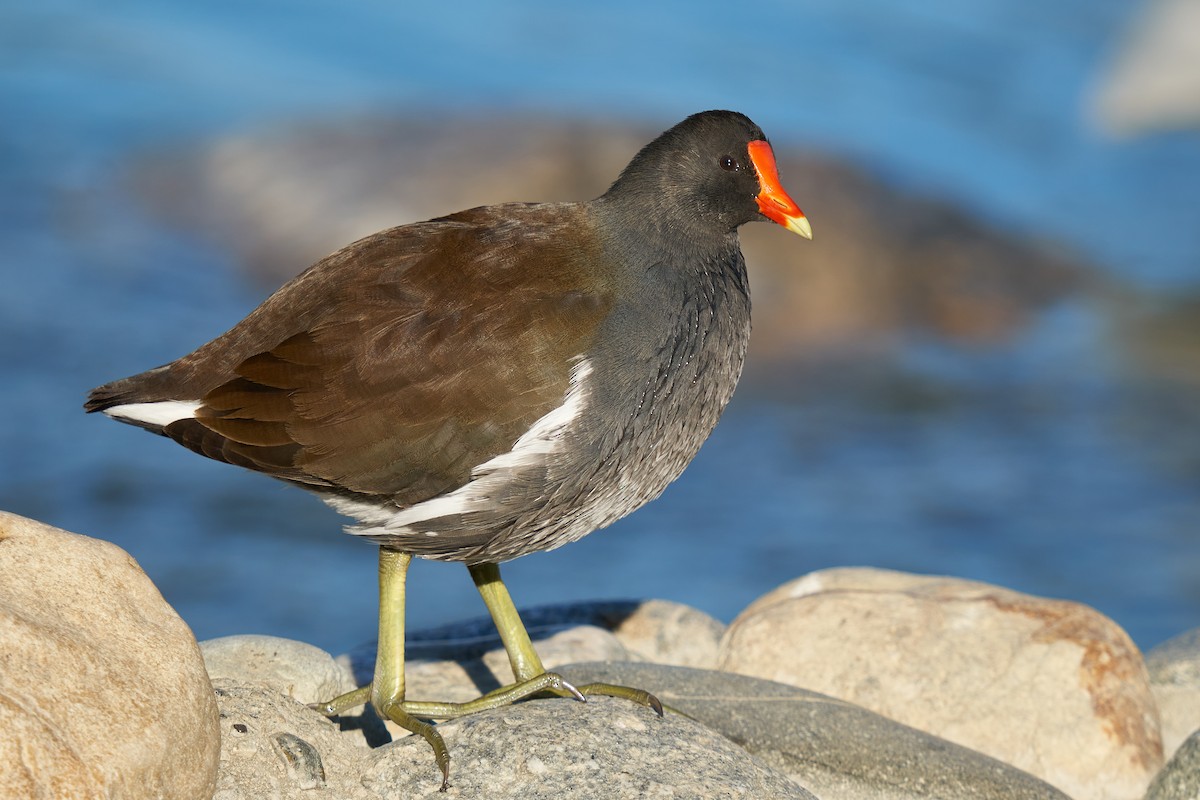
276,747
305,673
103,691
559,748
664,632
1174,668
836,750
1180,778
1154,82
273,746
295,670
1049,686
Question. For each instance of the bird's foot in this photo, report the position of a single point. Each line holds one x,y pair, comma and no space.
410,714
395,710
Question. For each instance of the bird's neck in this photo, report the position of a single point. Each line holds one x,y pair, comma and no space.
645,228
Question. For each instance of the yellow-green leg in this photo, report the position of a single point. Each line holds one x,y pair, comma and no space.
386,691
526,665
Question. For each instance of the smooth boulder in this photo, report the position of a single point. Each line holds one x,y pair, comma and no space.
558,748
301,671
1049,686
1174,669
836,750
103,691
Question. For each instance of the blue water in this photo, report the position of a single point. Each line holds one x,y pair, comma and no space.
1041,465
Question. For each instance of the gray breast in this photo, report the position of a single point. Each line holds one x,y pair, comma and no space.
641,404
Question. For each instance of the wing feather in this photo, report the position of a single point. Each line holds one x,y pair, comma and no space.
396,365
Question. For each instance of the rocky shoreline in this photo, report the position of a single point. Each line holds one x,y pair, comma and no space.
843,684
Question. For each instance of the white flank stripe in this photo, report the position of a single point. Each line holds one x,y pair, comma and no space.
161,414
546,434
534,446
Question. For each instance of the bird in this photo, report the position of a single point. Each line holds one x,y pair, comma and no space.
492,383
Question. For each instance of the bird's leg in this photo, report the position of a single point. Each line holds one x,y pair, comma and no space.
521,656
386,692
530,676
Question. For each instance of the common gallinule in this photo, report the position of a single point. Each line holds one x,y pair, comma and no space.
492,383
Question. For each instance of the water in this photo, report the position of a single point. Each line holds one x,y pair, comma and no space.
1044,465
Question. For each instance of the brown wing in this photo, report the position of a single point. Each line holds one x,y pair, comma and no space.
399,363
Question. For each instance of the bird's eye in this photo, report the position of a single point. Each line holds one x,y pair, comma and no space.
730,164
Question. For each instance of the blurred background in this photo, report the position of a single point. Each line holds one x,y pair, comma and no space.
987,364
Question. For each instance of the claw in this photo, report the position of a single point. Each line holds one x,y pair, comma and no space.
566,687
441,754
639,696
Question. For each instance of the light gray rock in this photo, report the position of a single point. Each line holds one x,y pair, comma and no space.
1177,660
559,748
1174,668
305,673
103,691
663,632
275,747
836,750
1049,686
1154,82
1179,779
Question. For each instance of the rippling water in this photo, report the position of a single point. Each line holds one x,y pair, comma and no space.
1046,464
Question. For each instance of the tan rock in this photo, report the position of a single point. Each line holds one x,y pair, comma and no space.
1052,687
834,749
1174,669
557,748
1153,81
675,634
1179,711
275,747
103,691
301,671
